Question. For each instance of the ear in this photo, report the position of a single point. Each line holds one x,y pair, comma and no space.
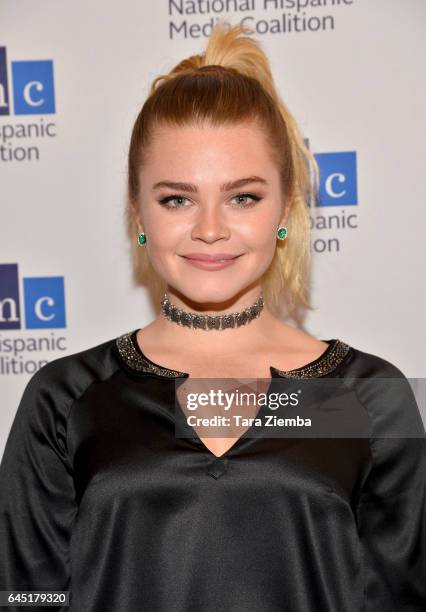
136,215
284,214
283,220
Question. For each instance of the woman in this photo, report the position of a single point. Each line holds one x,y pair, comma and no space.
101,498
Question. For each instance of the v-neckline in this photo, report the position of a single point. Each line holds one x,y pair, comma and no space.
196,438
134,358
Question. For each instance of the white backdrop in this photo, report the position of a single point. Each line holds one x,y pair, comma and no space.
351,72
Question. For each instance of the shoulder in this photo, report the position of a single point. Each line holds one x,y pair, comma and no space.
363,364
385,394
62,380
41,419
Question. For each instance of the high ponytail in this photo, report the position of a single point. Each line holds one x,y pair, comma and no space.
213,87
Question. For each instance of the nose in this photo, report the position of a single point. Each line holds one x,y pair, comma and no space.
210,225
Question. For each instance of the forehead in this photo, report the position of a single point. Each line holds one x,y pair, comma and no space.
191,149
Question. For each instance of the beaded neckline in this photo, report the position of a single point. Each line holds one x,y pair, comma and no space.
132,356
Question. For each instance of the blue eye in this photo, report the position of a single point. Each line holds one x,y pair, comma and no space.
165,201
248,195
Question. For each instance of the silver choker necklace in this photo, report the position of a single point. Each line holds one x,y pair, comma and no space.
208,322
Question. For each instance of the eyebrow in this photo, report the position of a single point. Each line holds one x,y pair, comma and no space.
190,187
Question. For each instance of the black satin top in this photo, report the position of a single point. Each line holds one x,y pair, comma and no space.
99,497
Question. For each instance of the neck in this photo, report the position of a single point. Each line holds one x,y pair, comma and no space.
237,303
257,331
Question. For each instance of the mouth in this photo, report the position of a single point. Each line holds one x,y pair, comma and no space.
211,262
211,258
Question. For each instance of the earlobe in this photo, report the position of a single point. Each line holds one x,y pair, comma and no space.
137,219
285,211
134,208
283,221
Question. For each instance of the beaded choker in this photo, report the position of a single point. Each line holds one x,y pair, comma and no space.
208,322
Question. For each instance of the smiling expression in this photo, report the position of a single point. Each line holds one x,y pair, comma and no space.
215,193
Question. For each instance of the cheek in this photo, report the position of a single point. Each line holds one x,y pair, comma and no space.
258,234
164,241
164,232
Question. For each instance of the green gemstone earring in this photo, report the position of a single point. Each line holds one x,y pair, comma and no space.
141,239
282,233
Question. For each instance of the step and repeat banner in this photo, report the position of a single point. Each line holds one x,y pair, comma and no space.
73,77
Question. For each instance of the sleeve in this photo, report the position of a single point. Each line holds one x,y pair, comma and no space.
37,500
391,513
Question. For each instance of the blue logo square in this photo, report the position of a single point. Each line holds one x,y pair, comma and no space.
33,90
10,314
44,302
338,179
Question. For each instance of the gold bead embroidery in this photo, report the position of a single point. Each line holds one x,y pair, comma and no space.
329,361
136,361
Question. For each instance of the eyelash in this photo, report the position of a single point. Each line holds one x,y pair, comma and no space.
164,201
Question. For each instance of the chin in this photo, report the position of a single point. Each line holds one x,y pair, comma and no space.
209,293
210,297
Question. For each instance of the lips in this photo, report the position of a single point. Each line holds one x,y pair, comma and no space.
216,258
212,263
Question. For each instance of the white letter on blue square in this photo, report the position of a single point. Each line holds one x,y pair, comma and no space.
44,302
33,88
338,179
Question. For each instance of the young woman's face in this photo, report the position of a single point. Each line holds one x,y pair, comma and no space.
205,213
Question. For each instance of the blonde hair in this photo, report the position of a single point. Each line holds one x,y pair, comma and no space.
214,87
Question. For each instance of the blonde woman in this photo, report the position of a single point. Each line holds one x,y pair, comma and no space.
99,496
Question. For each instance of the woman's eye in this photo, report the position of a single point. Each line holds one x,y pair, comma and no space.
179,200
253,197
165,201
